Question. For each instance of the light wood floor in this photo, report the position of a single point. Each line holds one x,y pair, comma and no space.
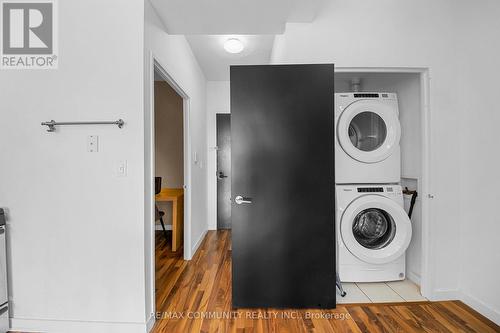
202,287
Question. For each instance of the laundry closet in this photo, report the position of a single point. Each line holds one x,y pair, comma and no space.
405,90
369,146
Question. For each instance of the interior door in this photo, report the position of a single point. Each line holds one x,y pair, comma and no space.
223,171
283,252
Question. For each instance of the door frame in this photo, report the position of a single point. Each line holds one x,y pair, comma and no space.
153,63
428,267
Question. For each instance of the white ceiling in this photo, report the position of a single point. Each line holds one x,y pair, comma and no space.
219,17
215,61
208,23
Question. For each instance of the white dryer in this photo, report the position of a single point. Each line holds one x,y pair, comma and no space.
367,134
373,232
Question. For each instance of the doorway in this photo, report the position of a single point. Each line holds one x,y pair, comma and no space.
169,165
167,157
412,88
223,171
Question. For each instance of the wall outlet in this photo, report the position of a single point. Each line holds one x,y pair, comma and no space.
93,143
121,168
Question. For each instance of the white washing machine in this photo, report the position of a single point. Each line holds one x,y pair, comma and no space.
373,232
367,134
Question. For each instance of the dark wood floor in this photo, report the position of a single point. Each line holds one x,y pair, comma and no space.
187,290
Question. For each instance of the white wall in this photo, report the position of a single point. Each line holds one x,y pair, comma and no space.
175,56
78,261
76,240
478,136
457,43
218,101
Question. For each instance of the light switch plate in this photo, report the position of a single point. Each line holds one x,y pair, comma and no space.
93,143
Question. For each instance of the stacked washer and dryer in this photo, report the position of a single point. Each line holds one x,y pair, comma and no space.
373,229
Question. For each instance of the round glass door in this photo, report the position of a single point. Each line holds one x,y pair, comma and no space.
375,229
369,131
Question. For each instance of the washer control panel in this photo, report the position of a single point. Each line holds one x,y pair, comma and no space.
370,189
388,190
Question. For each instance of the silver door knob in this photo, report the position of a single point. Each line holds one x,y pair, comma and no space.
241,200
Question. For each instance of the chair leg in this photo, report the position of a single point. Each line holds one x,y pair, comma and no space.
163,227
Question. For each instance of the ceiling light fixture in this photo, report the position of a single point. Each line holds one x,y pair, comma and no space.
233,45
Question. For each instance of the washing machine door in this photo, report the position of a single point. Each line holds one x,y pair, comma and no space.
369,131
375,229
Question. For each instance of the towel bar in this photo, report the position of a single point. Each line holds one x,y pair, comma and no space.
52,124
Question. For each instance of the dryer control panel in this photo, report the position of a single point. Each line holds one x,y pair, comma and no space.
345,99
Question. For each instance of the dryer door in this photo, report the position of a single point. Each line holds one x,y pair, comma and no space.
369,131
375,229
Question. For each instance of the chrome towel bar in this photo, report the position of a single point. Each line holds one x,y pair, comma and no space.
52,124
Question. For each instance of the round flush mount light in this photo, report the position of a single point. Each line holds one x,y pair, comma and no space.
233,45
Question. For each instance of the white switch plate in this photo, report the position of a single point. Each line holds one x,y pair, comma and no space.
121,168
93,143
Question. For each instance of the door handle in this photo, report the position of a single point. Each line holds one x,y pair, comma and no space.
221,175
241,200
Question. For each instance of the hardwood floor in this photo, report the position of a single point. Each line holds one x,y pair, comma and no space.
195,296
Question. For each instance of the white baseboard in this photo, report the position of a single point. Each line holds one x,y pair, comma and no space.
455,294
413,277
445,295
65,326
198,243
481,307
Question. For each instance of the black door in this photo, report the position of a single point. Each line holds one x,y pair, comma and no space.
223,171
283,186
